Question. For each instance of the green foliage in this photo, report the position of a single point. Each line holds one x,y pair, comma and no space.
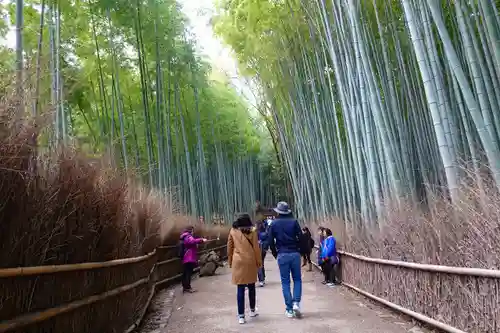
371,100
134,86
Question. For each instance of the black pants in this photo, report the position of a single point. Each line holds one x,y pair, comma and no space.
327,271
187,273
335,273
307,258
240,295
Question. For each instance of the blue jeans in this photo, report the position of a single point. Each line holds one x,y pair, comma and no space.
289,263
240,295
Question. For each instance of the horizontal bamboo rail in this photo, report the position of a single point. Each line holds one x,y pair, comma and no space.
50,269
489,273
173,278
28,319
168,261
170,247
438,269
429,321
482,272
167,280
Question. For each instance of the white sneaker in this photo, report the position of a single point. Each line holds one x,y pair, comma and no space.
261,283
289,313
296,310
330,284
253,313
241,320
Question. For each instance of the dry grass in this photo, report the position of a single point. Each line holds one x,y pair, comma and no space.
62,207
463,234
73,209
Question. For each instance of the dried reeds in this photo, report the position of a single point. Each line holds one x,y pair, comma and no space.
61,207
58,206
463,234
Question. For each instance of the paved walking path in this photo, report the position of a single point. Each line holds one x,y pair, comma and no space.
213,309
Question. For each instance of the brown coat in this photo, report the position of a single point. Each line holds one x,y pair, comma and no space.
244,256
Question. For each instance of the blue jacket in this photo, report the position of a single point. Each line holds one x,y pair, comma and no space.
284,235
328,249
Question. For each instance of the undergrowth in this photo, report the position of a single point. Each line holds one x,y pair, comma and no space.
465,233
59,206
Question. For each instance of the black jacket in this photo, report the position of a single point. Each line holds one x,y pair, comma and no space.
306,243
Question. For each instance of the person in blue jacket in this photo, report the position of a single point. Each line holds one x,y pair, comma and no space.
327,256
262,232
284,241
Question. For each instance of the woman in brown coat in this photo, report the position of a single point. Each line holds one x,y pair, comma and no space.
244,258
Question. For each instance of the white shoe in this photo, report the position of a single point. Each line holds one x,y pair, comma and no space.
241,320
253,313
289,314
296,310
330,284
261,283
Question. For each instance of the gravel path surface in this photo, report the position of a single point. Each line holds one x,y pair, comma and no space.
213,309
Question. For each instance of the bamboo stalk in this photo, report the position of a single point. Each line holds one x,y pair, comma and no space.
19,49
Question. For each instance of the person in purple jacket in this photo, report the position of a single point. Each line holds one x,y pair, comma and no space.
190,257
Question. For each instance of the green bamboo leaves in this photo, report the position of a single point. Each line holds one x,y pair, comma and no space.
124,78
373,101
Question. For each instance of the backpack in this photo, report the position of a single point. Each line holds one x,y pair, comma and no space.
181,250
312,243
263,236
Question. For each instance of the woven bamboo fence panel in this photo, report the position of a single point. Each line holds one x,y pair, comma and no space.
103,297
467,299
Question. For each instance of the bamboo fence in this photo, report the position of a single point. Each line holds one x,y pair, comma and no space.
453,299
102,297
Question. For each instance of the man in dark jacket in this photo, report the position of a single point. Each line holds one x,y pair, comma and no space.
284,241
262,232
306,246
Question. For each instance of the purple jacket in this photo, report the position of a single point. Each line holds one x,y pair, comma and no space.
190,247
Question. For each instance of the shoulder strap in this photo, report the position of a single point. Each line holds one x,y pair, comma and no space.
251,244
249,241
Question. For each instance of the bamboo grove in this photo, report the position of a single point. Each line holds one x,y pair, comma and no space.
374,101
124,79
